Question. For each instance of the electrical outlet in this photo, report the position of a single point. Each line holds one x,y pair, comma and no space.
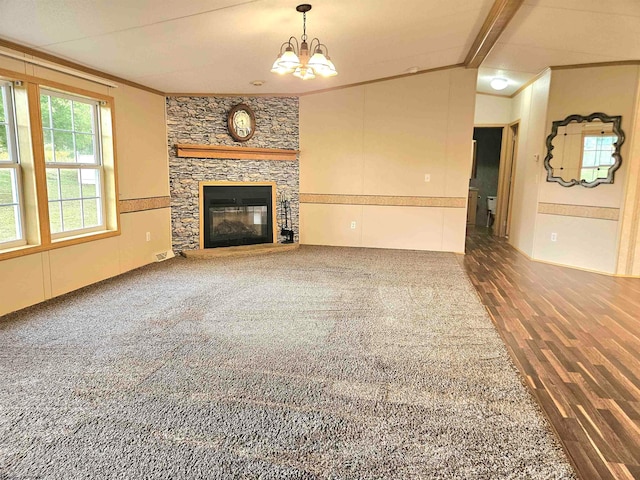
353,225
554,237
148,236
427,177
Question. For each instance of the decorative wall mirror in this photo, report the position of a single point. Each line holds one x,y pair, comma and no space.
584,150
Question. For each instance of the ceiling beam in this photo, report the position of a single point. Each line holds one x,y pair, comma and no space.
499,17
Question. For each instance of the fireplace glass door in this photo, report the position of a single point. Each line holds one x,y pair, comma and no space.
239,224
237,215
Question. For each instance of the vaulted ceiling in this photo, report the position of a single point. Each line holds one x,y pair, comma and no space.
221,46
547,33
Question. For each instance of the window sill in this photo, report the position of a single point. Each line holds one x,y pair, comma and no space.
58,243
73,237
19,251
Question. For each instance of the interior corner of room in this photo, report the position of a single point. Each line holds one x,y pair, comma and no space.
131,135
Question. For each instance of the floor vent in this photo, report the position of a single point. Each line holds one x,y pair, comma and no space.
159,257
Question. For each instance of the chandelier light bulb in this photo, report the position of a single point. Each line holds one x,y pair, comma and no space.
305,73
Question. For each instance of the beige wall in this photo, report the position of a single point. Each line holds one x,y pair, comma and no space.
142,172
529,108
381,139
492,110
588,243
583,240
141,130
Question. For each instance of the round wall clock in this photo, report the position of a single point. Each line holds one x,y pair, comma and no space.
241,122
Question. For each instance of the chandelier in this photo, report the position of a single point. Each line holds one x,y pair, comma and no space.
296,58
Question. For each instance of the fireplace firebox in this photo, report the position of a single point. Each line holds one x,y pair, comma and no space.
237,215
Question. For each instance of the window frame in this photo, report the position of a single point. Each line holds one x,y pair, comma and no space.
6,90
77,166
33,169
594,134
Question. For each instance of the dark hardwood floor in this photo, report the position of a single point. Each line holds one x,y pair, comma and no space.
575,336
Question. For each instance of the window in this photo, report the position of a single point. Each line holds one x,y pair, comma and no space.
58,179
597,151
11,217
72,152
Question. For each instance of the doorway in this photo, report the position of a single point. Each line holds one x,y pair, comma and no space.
492,177
485,175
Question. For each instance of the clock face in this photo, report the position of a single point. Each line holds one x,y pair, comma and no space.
241,122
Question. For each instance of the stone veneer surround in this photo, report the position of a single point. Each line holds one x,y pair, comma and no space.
203,121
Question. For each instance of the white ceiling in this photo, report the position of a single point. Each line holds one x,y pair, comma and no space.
220,46
547,33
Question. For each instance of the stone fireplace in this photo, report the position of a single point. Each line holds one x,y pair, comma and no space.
202,121
233,214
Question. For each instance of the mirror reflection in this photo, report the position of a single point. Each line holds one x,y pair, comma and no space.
584,150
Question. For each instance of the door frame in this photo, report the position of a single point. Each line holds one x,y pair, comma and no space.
506,176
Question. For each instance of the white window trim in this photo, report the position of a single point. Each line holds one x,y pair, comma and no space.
99,165
13,163
593,168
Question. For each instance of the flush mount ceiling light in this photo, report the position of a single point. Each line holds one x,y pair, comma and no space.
499,83
295,56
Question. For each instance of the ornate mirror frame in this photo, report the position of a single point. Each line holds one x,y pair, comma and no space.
604,118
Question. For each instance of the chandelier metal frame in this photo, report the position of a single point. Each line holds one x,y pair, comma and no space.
295,58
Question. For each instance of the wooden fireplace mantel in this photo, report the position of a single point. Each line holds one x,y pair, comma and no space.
242,153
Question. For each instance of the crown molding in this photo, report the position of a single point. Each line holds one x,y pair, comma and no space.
228,95
493,94
616,63
383,79
323,90
73,65
525,85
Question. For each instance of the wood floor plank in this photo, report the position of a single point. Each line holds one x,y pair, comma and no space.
634,470
575,337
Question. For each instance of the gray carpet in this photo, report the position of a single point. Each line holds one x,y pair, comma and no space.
324,362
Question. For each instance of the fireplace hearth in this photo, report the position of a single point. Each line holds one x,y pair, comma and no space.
236,215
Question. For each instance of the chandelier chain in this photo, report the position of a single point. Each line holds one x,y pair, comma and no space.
304,26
